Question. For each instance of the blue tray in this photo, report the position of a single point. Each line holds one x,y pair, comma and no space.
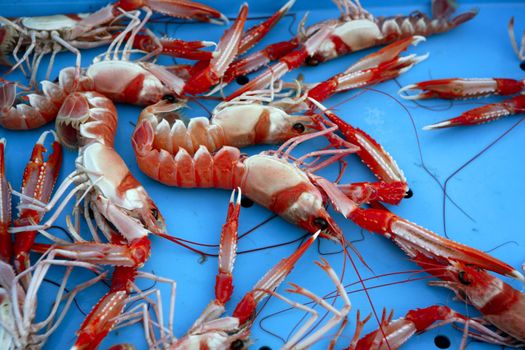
483,207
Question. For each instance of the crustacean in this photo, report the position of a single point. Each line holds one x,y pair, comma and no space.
88,121
19,328
288,186
39,36
465,88
356,30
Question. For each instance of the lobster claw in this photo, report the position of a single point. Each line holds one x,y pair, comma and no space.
39,179
484,114
5,209
177,8
227,50
458,88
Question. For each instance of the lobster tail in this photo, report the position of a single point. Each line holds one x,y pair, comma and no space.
222,169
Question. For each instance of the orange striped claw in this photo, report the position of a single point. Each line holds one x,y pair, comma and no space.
255,34
226,50
174,47
484,114
228,250
177,8
286,63
6,249
372,154
393,334
414,239
40,176
459,88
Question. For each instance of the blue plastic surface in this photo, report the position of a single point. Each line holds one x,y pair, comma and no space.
484,207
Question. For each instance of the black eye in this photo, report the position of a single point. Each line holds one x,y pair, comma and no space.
237,345
242,80
169,98
299,127
312,61
522,65
462,278
409,193
155,213
321,223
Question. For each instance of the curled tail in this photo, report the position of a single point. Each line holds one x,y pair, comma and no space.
34,110
222,169
171,133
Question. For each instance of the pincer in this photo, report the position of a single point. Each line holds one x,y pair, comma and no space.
459,88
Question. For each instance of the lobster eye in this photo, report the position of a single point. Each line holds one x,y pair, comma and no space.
238,344
169,98
312,61
321,223
155,213
462,278
522,65
299,127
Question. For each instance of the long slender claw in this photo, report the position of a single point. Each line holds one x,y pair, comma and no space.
484,114
228,250
178,8
458,88
372,154
6,249
287,63
270,281
103,317
227,50
40,176
414,240
258,59
255,34
386,54
174,47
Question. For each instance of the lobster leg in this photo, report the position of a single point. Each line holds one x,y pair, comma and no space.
227,254
299,340
484,114
39,179
520,51
245,309
6,248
